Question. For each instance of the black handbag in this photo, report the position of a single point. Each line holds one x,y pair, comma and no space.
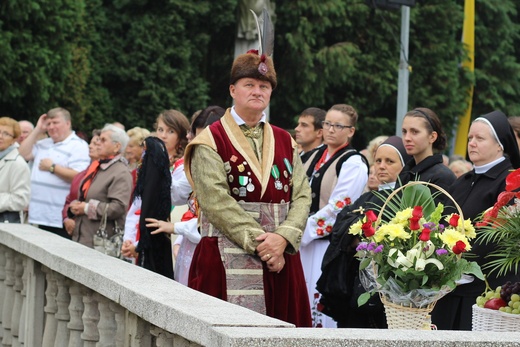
10,217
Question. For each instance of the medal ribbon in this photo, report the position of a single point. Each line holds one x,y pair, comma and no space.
288,165
275,172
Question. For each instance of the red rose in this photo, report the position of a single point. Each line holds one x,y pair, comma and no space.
316,295
321,222
368,229
425,235
414,223
320,307
513,180
328,228
371,216
347,201
319,231
417,212
340,204
459,247
454,220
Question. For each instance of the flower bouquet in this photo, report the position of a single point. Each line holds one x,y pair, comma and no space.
414,259
499,309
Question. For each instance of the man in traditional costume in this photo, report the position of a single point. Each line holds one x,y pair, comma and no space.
254,199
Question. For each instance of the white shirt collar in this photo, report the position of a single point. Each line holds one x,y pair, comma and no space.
384,186
240,121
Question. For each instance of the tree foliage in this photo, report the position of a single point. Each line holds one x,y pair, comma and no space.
126,60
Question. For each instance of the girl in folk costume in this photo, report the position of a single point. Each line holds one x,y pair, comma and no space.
253,196
338,174
164,177
187,229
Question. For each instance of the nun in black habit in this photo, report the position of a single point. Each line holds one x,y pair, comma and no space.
153,188
339,283
493,150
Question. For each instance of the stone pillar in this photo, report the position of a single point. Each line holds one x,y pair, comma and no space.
162,338
7,311
51,324
2,285
137,331
23,315
17,306
75,324
35,302
62,315
120,323
90,335
107,323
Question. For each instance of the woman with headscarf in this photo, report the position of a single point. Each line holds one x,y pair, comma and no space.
15,185
493,149
105,189
339,284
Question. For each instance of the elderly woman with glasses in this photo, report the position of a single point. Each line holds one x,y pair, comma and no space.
338,175
15,176
106,188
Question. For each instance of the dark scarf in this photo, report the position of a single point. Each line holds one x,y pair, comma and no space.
153,187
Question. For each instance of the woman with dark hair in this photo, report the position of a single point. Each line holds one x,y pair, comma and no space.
423,138
204,118
493,149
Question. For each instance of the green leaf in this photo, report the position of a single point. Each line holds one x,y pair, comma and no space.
363,298
364,263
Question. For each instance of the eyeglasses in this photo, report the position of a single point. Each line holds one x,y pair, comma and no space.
337,127
6,134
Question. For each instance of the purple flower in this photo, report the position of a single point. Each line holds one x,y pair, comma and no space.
362,246
371,246
429,225
441,228
441,251
379,249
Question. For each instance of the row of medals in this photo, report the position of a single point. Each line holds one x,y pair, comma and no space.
247,182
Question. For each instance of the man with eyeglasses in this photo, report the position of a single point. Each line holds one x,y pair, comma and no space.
337,174
57,160
309,131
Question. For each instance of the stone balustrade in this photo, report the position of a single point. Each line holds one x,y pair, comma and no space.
54,292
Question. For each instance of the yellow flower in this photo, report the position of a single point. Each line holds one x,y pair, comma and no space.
469,230
394,231
355,229
450,237
402,217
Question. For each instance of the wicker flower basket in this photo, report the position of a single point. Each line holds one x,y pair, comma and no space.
402,317
485,319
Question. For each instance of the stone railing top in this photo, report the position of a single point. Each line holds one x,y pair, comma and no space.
200,318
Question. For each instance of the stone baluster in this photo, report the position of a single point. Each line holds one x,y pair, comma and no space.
90,317
75,324
17,306
62,315
137,331
107,323
50,309
35,303
162,338
7,337
23,315
2,285
120,323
